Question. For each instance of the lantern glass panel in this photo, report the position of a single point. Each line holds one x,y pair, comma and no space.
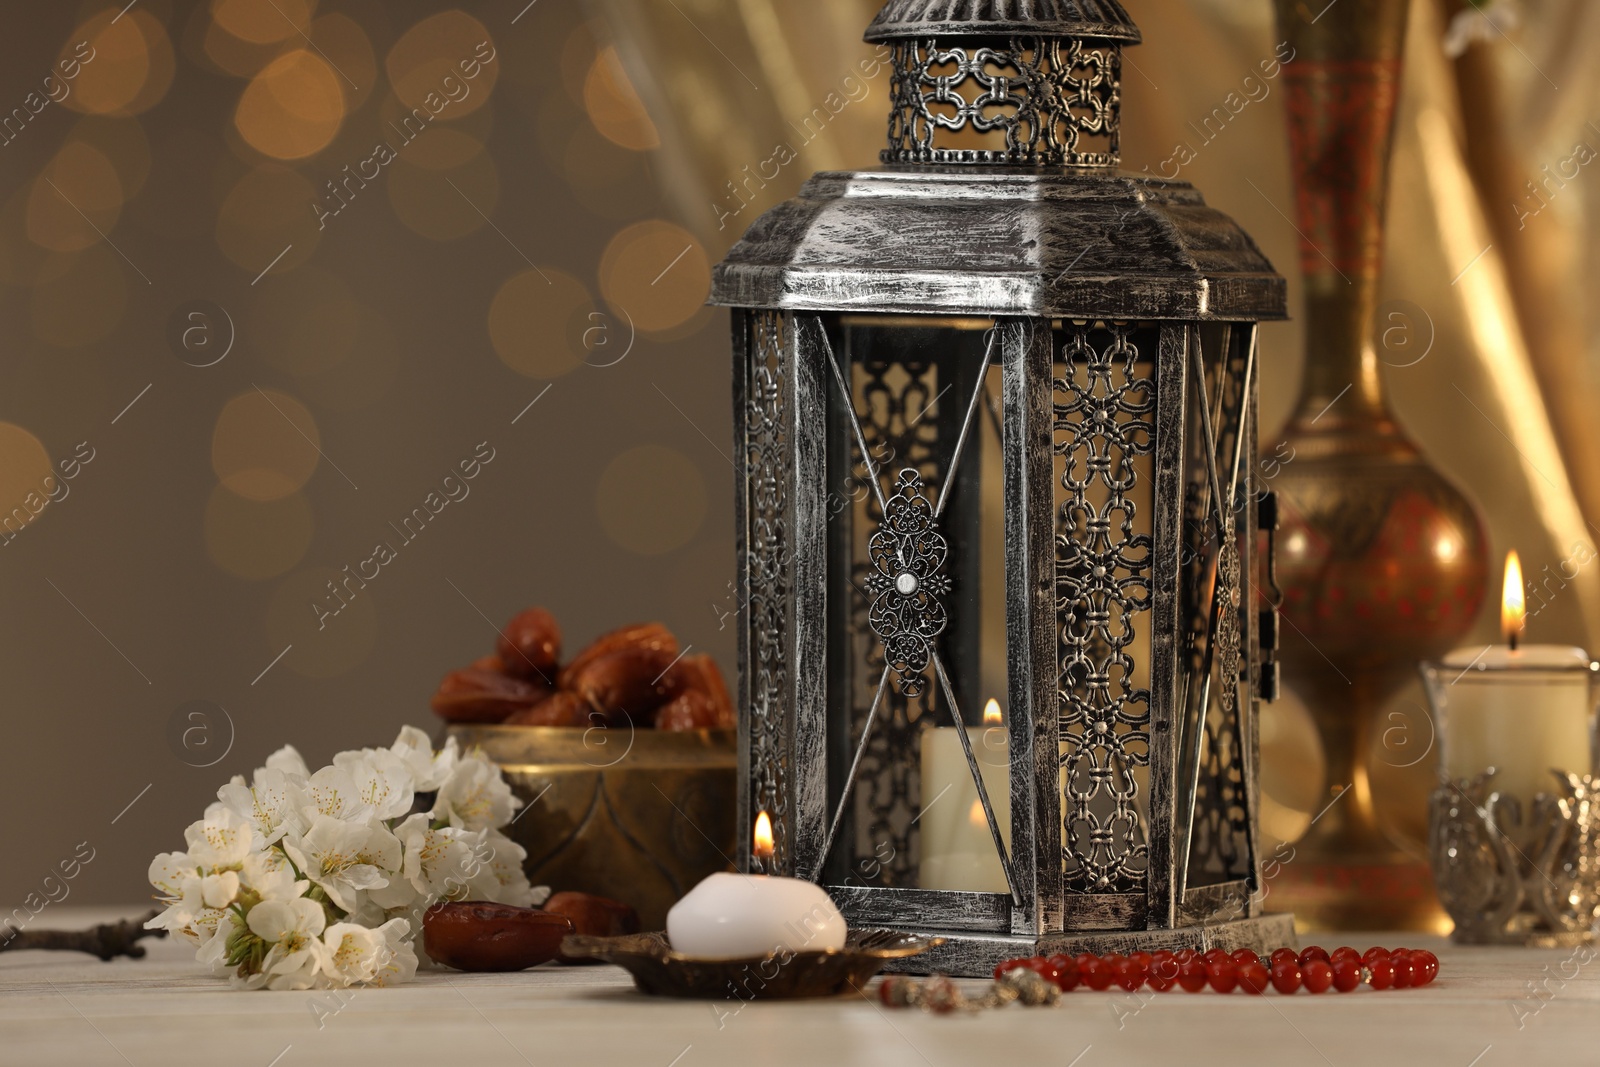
921,591
1220,578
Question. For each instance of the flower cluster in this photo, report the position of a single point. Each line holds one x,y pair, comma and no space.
300,880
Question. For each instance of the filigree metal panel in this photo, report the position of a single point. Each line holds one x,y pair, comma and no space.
1042,96
1216,597
892,402
1103,420
767,442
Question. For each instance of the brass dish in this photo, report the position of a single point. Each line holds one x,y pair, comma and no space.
638,816
660,971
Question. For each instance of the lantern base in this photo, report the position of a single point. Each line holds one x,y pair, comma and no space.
974,955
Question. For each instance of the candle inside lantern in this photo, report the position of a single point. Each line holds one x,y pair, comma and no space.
1524,710
747,916
958,851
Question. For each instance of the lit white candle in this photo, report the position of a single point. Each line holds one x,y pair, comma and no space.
1522,709
750,916
957,849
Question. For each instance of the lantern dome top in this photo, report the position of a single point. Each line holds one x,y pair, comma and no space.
1090,20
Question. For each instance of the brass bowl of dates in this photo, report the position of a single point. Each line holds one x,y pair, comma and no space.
625,756
783,975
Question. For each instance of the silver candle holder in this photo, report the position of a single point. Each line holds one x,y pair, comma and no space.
1507,880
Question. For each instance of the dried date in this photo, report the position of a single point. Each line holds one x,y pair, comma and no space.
530,646
649,635
558,709
628,684
478,696
478,936
593,916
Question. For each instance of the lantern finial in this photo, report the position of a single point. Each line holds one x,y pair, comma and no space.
1032,83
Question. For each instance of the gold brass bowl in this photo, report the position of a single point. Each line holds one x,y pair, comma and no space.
660,971
639,816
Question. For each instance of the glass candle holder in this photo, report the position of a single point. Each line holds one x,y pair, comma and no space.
1514,826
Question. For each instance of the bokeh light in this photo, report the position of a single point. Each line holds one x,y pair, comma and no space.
293,108
267,210
24,466
342,40
364,376
613,105
651,500
326,645
257,540
305,323
577,57
444,204
265,444
609,180
124,66
123,143
263,21
447,64
443,148
658,272
538,322
78,179
229,54
80,296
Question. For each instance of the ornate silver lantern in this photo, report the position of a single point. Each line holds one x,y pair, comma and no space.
995,429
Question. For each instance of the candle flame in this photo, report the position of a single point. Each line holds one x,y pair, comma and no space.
763,837
1513,602
975,814
991,713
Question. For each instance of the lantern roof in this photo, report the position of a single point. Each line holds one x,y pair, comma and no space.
1093,20
984,242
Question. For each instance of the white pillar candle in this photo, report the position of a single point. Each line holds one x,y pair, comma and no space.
751,916
1523,710
958,851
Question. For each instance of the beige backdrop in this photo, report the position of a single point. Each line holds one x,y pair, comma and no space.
546,231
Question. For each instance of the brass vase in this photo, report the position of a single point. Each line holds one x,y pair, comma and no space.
1382,561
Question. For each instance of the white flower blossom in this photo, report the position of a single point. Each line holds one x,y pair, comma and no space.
345,857
289,761
268,875
501,879
400,963
382,780
219,890
439,864
293,929
333,792
295,880
475,796
429,769
271,802
351,953
219,841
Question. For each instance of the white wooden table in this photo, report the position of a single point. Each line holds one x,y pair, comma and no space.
165,1011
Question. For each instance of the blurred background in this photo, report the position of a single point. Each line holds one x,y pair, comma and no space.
272,270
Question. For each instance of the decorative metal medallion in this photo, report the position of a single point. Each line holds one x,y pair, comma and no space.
908,555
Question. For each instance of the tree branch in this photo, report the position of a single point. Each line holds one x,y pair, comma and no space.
108,940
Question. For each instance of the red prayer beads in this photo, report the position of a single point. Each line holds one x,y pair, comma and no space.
1286,971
